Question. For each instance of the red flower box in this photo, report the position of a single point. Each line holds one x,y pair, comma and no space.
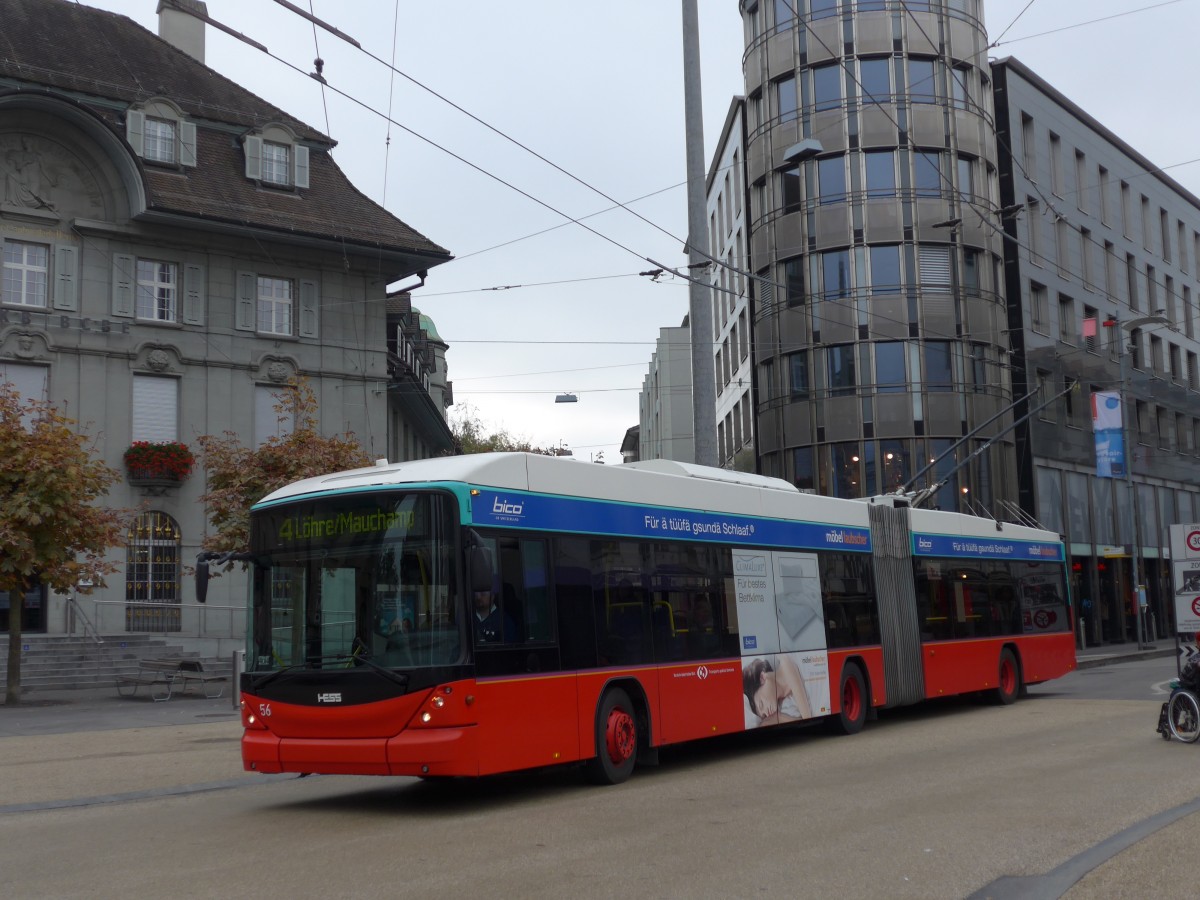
159,461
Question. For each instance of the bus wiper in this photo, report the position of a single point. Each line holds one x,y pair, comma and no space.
365,659
273,675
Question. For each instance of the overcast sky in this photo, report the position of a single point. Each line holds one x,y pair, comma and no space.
597,88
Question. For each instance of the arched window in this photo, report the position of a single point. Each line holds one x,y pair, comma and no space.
152,572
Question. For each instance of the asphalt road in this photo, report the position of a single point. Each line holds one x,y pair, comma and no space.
1068,791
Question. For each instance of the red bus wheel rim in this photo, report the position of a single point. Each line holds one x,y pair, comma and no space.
620,736
851,699
1008,676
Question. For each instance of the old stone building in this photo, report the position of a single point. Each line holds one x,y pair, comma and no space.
175,251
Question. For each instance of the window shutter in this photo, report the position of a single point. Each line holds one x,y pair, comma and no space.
187,143
122,285
935,267
300,176
28,381
309,317
66,280
193,294
155,408
253,147
135,125
268,421
247,301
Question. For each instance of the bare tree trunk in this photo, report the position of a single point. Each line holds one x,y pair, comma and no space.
16,608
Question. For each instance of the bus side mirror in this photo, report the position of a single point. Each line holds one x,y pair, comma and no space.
481,569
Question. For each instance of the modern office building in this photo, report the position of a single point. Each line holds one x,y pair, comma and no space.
175,252
665,401
1101,267
942,248
726,197
874,227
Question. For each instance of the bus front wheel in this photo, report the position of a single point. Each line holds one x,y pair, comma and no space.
1008,679
854,703
616,739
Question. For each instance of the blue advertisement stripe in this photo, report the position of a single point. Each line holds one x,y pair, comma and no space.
985,548
539,512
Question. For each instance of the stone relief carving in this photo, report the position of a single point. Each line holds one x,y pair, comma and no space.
278,372
24,345
158,358
158,361
40,174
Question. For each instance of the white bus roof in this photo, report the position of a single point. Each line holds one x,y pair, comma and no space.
662,483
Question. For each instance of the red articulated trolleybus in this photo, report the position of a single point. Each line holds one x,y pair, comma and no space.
479,614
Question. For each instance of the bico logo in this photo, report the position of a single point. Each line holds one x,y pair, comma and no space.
1193,541
502,507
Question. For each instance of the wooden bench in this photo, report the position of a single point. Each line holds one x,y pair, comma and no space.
166,677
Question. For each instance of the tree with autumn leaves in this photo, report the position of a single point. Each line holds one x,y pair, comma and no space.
238,476
52,532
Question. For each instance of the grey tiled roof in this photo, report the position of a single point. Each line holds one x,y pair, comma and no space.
99,57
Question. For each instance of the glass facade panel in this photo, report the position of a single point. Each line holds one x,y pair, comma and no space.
939,374
831,179
841,376
921,85
1049,500
827,87
890,374
885,268
836,272
881,173
875,76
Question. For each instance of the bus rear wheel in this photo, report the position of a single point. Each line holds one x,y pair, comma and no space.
1008,679
616,739
854,703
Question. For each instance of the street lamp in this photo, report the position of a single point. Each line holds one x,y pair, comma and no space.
1136,564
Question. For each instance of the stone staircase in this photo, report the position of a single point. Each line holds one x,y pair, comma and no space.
59,663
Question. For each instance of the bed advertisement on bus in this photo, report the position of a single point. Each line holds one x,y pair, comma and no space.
785,662
570,514
1185,574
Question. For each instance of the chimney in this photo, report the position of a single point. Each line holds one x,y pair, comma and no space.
179,28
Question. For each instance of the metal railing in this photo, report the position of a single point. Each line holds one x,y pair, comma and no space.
74,610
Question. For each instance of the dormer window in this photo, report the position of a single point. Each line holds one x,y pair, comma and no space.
158,133
159,140
276,159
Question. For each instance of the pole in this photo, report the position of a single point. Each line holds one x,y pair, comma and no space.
704,389
1135,553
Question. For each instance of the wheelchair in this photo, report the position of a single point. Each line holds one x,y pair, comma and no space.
1180,716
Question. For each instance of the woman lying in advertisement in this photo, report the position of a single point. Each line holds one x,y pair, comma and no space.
775,696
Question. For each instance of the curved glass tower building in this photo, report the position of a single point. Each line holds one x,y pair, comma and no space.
880,326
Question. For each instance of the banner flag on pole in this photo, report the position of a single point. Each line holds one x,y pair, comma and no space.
1109,430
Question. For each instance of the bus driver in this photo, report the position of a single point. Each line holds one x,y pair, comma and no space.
492,624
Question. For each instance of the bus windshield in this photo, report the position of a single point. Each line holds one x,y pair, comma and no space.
355,577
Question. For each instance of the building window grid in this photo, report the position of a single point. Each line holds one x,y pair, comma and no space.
275,163
274,305
26,273
152,574
1038,310
158,138
157,290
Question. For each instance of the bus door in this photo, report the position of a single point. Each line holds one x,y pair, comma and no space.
527,706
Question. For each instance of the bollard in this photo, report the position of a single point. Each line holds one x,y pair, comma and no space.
1082,633
238,666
